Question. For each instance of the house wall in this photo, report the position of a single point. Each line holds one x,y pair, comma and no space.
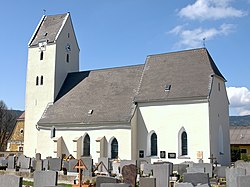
166,120
219,122
54,70
47,147
17,136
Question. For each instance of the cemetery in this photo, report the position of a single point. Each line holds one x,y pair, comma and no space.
22,171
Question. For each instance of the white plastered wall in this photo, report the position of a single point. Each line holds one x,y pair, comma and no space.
166,120
37,96
54,70
219,122
46,145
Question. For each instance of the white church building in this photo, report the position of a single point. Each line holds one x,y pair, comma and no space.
174,107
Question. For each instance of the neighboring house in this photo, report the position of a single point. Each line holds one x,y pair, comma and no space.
16,140
172,108
240,142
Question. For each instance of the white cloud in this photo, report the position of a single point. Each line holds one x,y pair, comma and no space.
239,98
193,38
210,9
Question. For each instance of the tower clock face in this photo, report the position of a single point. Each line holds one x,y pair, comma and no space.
67,47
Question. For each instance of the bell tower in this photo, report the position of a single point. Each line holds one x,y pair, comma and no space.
53,52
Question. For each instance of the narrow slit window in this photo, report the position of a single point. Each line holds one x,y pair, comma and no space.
41,55
41,80
37,80
67,58
167,87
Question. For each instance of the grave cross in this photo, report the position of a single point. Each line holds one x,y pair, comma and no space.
80,166
212,158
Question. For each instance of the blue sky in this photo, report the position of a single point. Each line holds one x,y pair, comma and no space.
115,33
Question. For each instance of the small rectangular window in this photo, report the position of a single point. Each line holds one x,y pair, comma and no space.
243,150
219,86
167,87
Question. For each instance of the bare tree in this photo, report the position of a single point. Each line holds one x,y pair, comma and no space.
7,119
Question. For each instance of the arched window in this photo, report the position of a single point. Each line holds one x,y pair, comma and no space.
67,58
41,80
153,144
41,55
114,149
86,145
37,80
184,148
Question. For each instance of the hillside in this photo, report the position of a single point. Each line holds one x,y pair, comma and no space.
239,120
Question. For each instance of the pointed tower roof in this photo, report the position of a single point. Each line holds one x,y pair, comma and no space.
48,29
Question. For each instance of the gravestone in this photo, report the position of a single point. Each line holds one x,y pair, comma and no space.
180,168
65,164
243,181
19,160
45,178
39,165
25,163
3,161
147,169
10,181
129,174
72,164
196,178
195,170
46,164
55,164
184,184
126,162
245,165
208,167
232,174
38,156
88,161
170,166
147,182
11,163
161,173
33,163
220,172
115,185
104,179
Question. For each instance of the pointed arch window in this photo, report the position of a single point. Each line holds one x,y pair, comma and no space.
86,145
41,55
114,149
184,148
153,144
37,80
41,81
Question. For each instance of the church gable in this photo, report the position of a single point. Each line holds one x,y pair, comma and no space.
48,29
177,76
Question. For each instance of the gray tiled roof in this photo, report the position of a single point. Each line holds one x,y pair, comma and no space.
188,72
48,29
108,92
112,93
240,135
